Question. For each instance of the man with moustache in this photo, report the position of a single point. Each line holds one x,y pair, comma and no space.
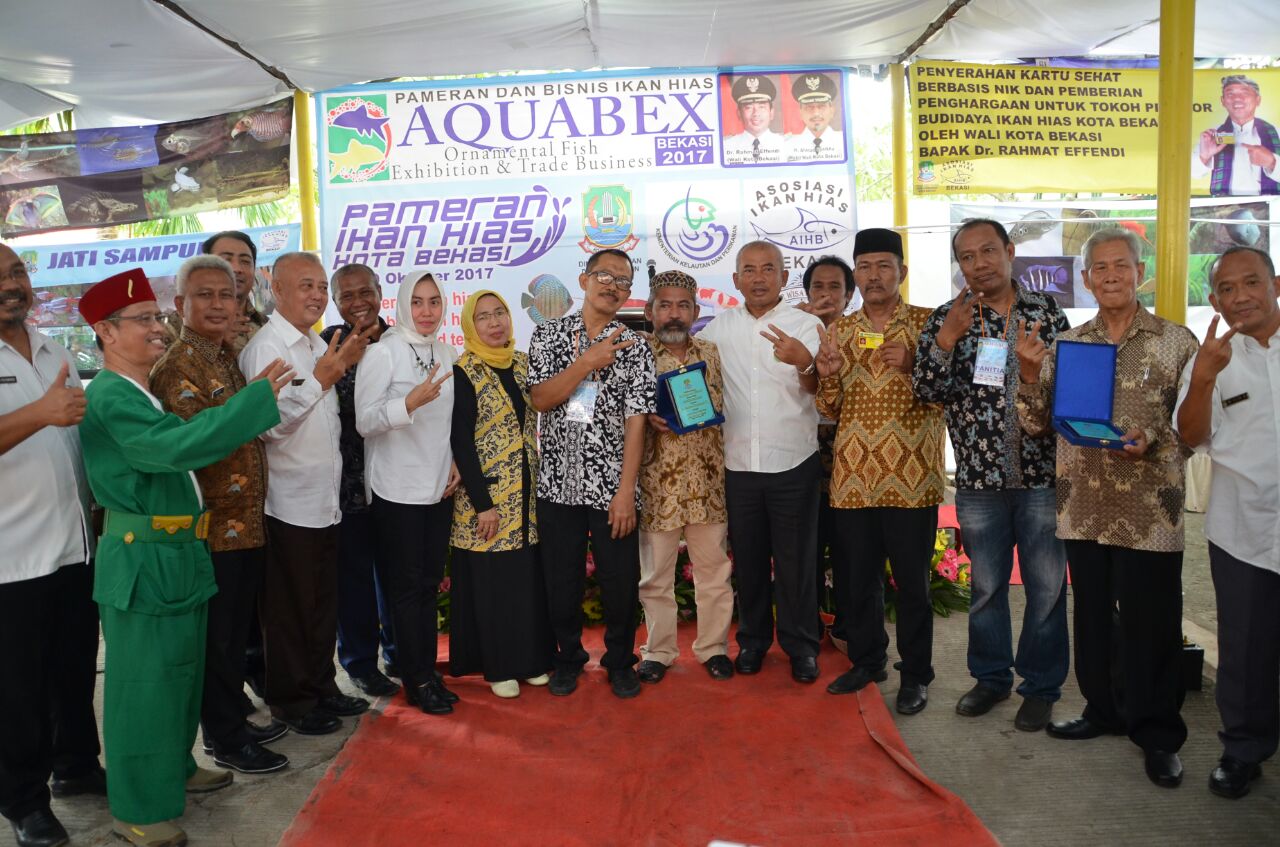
1228,406
1120,512
239,251
1240,154
757,144
299,600
48,622
965,360
682,491
154,576
772,469
593,381
828,285
888,476
815,94
364,618
198,372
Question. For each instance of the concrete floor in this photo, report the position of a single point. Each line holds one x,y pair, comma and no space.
1029,789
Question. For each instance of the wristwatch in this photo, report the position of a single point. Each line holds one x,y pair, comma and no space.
813,366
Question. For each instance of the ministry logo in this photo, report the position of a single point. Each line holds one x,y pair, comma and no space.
358,138
689,234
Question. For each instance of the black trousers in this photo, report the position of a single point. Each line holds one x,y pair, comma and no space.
905,537
48,661
1135,685
412,546
239,577
563,532
1248,689
830,554
364,613
299,611
773,522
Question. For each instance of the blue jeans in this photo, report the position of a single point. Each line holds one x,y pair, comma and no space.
364,616
991,523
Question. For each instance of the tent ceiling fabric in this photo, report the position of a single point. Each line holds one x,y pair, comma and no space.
136,61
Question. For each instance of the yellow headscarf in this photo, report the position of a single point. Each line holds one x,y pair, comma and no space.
496,357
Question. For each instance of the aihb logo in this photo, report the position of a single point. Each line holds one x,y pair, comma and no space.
607,219
689,234
359,138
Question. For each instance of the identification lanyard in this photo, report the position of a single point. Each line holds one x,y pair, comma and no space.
581,405
993,353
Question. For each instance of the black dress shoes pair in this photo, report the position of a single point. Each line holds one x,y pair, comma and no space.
804,669
375,684
251,758
651,671
92,782
432,697
719,667
40,829
1231,778
1164,769
1080,729
749,661
856,679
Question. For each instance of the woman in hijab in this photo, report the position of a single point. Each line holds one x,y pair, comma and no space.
498,620
404,406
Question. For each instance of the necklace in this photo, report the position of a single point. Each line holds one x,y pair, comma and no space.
423,367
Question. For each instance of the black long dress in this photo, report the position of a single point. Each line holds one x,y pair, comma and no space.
498,622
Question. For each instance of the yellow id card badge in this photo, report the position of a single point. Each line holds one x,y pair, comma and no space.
870,340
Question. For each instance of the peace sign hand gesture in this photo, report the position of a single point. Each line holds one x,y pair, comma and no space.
1031,351
603,353
829,360
427,390
1215,353
788,349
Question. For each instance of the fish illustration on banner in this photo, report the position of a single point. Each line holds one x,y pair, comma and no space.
809,233
717,299
547,299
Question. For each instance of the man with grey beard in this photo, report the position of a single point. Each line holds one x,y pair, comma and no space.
682,491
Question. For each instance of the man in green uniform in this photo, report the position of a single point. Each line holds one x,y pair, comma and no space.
154,576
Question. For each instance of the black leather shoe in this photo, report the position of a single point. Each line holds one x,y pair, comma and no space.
979,700
449,696
856,679
719,667
912,698
342,706
1231,777
314,722
431,700
1033,715
40,829
93,782
251,758
563,682
748,661
1079,729
804,669
651,671
268,732
375,684
1164,769
624,682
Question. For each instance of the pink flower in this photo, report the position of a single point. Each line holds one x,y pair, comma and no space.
948,570
951,557
687,573
445,584
591,564
893,583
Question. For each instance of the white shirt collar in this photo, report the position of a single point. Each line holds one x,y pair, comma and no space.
289,333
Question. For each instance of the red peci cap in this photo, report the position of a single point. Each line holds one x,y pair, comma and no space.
114,293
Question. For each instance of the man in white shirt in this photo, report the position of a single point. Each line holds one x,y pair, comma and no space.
304,470
757,144
1230,407
816,95
48,621
1242,150
772,469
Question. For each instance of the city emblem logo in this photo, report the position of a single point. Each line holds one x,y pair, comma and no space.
926,172
689,234
358,135
607,219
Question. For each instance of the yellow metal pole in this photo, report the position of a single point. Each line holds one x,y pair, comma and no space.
307,171
901,166
1173,173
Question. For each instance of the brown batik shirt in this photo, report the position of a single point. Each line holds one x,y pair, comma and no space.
1109,496
195,374
888,450
682,476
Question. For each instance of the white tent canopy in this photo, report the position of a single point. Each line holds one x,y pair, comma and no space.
119,62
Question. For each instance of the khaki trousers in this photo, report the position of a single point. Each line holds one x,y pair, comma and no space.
712,591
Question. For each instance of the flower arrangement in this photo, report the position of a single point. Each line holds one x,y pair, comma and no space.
949,589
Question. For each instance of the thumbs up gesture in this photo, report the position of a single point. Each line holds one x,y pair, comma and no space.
62,405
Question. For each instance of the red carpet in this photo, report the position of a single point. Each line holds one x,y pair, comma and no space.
756,760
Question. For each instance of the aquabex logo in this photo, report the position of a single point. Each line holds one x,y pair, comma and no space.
607,219
358,134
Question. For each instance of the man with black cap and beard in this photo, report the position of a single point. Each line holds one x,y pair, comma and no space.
682,491
885,497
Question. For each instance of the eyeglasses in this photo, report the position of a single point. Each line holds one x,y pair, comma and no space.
495,315
18,273
622,283
143,321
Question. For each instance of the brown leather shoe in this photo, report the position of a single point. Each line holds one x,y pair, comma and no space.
204,780
162,834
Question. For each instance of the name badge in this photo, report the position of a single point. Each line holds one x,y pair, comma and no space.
989,368
297,382
8,380
870,340
1230,401
581,406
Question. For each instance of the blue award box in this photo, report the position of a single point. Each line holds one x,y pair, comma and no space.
1083,393
684,401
